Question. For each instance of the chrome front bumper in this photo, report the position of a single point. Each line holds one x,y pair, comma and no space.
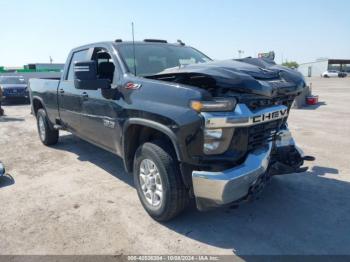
227,186
220,188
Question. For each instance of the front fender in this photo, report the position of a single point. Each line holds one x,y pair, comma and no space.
155,125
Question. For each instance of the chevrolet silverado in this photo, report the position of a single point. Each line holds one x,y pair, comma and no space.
186,126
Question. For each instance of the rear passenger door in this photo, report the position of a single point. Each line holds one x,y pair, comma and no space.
70,98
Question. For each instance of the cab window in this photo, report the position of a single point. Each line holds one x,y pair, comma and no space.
77,56
105,65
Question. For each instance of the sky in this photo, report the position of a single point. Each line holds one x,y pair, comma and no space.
297,30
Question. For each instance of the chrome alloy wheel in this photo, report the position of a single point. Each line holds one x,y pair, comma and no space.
151,182
42,130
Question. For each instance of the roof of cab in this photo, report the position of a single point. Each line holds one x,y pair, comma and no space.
118,43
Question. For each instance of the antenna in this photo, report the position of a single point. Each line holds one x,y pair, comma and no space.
133,46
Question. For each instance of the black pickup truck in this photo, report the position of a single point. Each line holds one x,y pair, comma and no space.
185,126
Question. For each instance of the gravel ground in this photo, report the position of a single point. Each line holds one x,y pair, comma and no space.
75,198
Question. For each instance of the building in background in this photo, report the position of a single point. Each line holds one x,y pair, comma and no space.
34,70
321,65
33,67
45,67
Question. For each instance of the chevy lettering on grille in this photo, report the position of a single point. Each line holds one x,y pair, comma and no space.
270,116
244,117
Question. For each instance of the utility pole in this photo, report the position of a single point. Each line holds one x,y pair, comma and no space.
240,52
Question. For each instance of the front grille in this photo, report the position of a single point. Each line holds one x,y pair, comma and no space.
13,91
261,103
261,134
247,139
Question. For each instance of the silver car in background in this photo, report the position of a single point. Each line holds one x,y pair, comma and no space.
333,73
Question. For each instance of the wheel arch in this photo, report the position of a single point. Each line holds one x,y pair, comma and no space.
144,130
37,103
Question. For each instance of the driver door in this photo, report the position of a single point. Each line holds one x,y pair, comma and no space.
99,115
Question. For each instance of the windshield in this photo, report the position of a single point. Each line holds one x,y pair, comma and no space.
11,80
151,59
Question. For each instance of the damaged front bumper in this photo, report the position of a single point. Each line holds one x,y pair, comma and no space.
213,189
220,188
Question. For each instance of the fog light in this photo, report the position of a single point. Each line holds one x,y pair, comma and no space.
210,147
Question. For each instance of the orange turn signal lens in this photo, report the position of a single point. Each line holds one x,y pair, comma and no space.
197,106
214,105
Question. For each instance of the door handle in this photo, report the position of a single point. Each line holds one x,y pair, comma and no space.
85,96
61,91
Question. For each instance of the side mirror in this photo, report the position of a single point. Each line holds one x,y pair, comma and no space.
85,76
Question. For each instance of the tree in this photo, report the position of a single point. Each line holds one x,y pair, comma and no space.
291,64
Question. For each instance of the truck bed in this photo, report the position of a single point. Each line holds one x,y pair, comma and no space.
46,90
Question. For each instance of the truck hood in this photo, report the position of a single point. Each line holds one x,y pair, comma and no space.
248,75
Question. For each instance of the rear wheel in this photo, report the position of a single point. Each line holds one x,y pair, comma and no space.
158,181
47,134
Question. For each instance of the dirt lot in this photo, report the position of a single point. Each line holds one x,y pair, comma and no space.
76,199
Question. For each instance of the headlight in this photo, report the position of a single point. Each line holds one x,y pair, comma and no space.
212,134
217,141
215,105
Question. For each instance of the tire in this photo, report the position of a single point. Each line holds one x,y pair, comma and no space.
175,196
47,134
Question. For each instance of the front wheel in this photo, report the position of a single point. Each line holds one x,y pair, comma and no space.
158,181
47,134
